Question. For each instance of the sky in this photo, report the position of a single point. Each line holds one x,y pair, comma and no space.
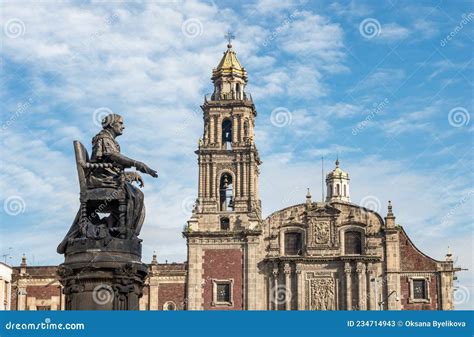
386,87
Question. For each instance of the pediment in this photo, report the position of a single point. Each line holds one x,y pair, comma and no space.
323,211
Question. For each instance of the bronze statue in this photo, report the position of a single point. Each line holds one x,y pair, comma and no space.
107,188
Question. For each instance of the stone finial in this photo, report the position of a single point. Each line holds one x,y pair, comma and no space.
23,261
389,213
449,255
23,264
154,260
390,218
308,198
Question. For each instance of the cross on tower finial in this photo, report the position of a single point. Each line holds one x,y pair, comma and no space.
229,36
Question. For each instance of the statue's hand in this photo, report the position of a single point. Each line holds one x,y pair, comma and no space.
145,169
134,177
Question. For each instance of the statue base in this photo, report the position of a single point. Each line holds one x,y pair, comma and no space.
103,274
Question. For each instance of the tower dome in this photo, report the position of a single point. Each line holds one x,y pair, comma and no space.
337,183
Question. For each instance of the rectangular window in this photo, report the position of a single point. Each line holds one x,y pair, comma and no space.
293,244
43,307
223,292
419,289
353,242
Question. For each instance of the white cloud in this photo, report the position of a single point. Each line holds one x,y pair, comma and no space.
380,79
412,121
314,37
342,110
393,32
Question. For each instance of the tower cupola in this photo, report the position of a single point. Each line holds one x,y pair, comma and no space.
337,183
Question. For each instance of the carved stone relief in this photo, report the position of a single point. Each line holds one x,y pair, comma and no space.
320,231
322,294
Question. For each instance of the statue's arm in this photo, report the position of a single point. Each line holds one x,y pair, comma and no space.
126,162
120,159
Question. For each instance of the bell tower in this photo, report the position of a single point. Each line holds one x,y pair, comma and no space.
224,230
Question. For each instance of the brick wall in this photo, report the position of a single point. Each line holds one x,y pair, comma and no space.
405,289
411,259
171,292
222,264
43,292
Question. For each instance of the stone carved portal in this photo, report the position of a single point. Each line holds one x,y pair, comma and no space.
321,231
322,294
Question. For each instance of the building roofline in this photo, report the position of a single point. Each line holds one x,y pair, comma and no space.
417,249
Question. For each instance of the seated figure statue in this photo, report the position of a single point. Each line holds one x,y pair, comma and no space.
105,149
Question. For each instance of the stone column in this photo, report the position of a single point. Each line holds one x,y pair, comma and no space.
245,175
274,291
251,174
361,286
235,128
240,131
153,304
208,178
238,178
269,291
371,284
299,289
348,271
219,131
200,192
212,136
211,177
251,273
288,295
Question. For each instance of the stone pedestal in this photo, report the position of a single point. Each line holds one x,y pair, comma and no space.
99,275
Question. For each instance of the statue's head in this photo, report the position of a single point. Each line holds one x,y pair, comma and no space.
113,122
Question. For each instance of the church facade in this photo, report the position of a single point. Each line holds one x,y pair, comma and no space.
331,255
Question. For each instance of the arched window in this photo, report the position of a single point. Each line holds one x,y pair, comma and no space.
330,190
227,134
225,224
293,243
353,242
338,189
345,194
237,91
226,193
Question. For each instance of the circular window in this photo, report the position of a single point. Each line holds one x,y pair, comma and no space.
170,305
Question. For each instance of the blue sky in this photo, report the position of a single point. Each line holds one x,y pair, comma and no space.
386,86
